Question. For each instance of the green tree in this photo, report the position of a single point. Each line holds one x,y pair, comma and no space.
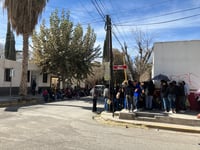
52,45
86,53
23,16
10,52
63,49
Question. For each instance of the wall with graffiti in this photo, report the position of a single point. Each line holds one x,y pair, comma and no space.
179,60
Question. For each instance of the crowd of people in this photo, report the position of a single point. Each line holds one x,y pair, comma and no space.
53,94
134,96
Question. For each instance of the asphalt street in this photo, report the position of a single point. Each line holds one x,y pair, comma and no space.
70,125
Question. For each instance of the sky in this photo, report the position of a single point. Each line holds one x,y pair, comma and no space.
162,20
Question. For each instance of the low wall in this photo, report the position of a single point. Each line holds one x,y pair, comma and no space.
7,91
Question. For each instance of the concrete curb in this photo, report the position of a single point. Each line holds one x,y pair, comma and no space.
155,125
16,102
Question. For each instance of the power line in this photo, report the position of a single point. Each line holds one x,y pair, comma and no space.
82,4
162,22
166,14
142,7
99,10
117,38
103,6
118,21
86,21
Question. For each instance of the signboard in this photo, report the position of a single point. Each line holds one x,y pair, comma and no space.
106,71
119,67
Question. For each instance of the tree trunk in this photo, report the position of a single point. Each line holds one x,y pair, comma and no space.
23,84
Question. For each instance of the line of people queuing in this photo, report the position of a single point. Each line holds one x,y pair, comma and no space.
53,94
135,96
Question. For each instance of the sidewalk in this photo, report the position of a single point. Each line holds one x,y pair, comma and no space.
184,122
14,100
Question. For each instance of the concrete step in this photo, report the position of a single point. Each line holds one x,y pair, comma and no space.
161,118
149,114
180,121
127,116
146,119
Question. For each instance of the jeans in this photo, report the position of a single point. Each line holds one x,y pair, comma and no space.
182,101
136,100
105,104
94,107
129,99
125,103
172,100
165,103
149,99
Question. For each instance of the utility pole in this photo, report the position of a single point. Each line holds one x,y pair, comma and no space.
140,51
109,33
124,61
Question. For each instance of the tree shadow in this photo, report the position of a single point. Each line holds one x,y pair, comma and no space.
12,108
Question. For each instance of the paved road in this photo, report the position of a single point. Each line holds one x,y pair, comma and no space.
69,125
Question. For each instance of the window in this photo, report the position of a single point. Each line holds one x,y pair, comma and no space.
45,77
7,74
28,76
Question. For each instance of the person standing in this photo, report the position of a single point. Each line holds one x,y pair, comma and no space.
164,94
45,95
129,96
142,95
181,97
106,96
122,97
136,95
150,91
33,86
172,96
94,99
187,93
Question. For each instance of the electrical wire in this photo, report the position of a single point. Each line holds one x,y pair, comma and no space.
166,14
99,10
161,22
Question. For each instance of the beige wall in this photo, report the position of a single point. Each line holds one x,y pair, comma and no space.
179,60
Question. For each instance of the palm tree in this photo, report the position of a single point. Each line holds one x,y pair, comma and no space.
23,16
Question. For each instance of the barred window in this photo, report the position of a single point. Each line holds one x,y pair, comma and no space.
28,76
45,77
7,74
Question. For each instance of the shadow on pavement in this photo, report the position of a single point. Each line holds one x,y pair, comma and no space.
12,108
99,109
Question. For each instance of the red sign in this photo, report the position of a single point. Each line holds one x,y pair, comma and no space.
119,67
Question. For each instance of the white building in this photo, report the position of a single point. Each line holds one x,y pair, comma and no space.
178,60
1,51
10,77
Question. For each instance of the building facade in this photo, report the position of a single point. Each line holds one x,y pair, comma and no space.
10,77
178,60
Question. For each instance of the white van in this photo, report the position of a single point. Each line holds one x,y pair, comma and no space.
100,89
